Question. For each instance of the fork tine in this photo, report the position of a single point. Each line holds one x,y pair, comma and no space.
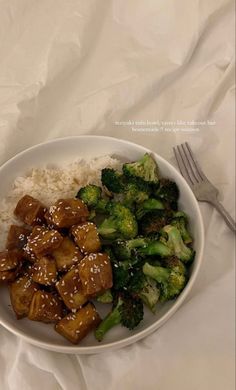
181,165
191,167
195,162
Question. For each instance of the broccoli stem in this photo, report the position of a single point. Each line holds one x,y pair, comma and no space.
158,273
137,243
112,319
180,221
150,294
149,205
157,248
175,241
108,228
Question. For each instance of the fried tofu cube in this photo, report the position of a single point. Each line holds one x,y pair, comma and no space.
30,210
28,254
10,259
70,289
21,294
42,241
8,276
95,274
86,237
45,271
48,219
17,237
68,212
66,255
75,326
45,307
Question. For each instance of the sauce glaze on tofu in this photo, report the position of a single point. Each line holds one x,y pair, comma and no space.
21,294
95,274
30,210
86,237
75,326
66,255
43,241
69,288
17,237
68,212
45,307
53,266
45,271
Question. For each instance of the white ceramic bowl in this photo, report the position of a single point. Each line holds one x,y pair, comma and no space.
65,150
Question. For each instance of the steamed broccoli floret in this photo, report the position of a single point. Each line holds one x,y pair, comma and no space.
134,193
171,282
112,179
145,288
145,169
120,223
125,249
147,206
120,269
180,221
168,192
127,311
154,221
150,294
92,197
177,245
169,246
121,275
157,248
90,194
175,264
101,206
106,297
123,272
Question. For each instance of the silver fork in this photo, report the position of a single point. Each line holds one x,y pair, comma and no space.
202,188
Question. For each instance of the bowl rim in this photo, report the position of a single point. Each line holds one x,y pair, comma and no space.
76,349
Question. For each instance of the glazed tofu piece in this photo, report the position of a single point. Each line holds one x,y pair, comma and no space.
45,307
10,259
66,255
68,212
75,326
17,237
45,271
21,294
8,276
42,241
86,237
30,210
48,219
95,274
70,289
28,253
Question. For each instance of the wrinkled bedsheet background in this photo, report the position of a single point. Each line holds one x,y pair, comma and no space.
71,67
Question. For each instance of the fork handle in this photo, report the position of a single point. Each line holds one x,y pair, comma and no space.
228,219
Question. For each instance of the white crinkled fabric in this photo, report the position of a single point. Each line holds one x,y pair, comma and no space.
144,71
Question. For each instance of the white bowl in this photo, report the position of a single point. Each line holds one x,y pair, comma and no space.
65,150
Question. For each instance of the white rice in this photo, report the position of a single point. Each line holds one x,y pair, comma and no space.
50,184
